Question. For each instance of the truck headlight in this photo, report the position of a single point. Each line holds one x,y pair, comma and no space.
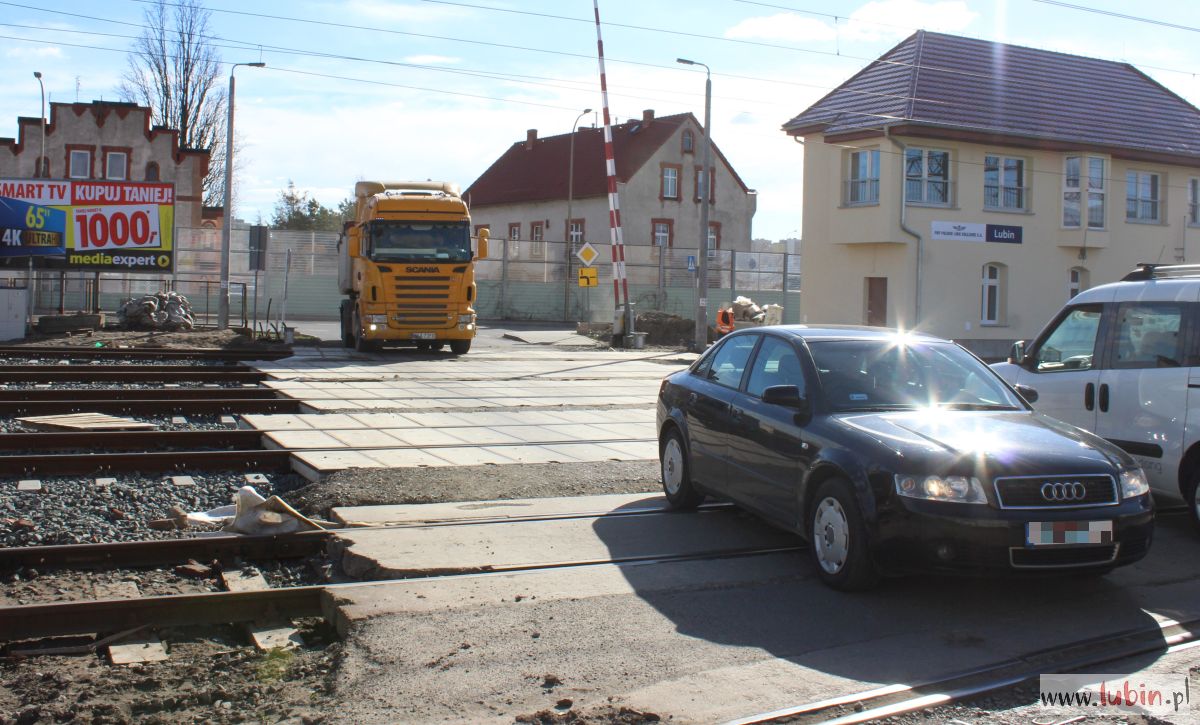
1133,483
377,319
959,489
466,319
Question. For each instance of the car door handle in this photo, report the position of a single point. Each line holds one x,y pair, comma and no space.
1104,398
692,398
736,413
1089,396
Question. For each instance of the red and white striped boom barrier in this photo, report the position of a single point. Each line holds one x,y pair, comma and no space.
617,239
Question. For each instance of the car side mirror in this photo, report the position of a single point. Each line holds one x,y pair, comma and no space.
1029,394
789,397
1016,355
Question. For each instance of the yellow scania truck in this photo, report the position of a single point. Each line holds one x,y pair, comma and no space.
406,266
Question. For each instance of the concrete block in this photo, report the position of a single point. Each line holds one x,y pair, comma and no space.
183,481
178,420
29,486
104,482
229,421
256,479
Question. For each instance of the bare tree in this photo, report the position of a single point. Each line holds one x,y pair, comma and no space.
174,69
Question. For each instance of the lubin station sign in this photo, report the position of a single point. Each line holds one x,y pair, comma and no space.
97,225
971,232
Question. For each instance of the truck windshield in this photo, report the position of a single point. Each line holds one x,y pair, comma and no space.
420,241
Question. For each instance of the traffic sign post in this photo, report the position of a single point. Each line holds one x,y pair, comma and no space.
589,277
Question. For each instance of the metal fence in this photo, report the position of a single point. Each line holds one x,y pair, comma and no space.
518,280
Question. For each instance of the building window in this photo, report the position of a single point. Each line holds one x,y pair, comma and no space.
514,231
926,176
714,237
116,165
662,232
81,164
670,181
1077,281
992,302
1193,201
862,177
537,233
1142,196
689,141
1073,190
575,231
152,171
1004,183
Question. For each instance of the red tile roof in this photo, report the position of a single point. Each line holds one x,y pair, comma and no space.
540,173
968,85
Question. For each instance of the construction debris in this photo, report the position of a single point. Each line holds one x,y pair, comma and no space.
167,311
85,421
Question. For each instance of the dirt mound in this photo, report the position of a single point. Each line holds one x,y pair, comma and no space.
662,329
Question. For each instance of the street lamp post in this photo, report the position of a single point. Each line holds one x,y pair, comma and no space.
570,197
701,340
227,223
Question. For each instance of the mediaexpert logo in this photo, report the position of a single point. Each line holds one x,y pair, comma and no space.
1150,694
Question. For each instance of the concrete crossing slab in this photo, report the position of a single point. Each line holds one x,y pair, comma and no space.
408,552
504,509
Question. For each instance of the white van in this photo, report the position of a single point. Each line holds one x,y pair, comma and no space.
1121,360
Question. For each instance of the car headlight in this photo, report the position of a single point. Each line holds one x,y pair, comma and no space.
959,489
377,319
1133,483
466,319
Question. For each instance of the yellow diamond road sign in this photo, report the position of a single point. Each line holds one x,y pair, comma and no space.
587,254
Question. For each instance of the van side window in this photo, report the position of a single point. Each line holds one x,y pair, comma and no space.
1148,335
1072,343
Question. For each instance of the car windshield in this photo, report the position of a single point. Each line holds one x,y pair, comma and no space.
894,374
394,241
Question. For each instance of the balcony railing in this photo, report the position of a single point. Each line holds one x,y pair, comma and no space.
861,191
1005,197
935,192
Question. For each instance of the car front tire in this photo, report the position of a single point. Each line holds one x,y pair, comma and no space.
677,473
839,540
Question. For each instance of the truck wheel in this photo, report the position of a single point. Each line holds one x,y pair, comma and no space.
460,347
347,331
435,346
361,344
423,346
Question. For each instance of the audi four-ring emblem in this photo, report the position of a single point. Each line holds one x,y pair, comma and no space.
1069,491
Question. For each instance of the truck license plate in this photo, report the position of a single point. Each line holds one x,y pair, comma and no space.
1056,533
424,336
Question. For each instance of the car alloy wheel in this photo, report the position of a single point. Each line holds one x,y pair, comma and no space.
672,466
831,535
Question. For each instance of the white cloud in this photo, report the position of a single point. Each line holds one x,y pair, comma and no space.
432,60
884,19
396,12
877,20
52,52
783,26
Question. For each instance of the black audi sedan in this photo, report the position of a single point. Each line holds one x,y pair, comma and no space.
894,452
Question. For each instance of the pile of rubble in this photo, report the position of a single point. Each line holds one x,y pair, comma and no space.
745,310
169,311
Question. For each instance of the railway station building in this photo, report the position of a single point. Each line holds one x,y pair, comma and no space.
969,188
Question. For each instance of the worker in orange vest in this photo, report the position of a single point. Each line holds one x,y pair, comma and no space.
724,321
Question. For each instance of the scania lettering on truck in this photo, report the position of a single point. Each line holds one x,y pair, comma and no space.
406,266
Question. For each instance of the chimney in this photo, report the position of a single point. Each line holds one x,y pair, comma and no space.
530,137
647,116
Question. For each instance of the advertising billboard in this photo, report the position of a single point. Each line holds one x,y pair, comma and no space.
108,226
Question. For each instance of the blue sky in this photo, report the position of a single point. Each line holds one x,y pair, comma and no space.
422,89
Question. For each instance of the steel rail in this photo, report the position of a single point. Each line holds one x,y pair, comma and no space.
34,395
148,374
134,405
898,699
87,464
137,440
148,353
130,368
159,552
107,615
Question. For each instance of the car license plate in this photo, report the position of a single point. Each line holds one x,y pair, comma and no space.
1056,533
424,336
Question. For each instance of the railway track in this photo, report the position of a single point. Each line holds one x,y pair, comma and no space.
139,353
130,374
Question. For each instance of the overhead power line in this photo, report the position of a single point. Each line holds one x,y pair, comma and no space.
1122,16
